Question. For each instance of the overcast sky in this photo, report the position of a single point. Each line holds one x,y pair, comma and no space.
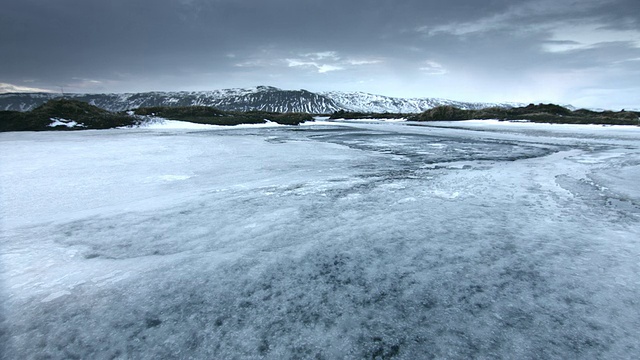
582,52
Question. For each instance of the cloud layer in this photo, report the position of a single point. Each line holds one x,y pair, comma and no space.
585,53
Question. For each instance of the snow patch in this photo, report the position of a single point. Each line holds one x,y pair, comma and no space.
446,195
64,122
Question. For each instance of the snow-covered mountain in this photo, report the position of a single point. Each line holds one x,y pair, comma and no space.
262,98
265,98
365,102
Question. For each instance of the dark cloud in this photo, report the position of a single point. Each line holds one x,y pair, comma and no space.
411,47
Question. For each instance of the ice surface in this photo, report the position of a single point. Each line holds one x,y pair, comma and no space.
330,240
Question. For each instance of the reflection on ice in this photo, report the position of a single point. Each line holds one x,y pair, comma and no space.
340,240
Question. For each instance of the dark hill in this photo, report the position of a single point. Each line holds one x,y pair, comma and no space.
213,116
544,113
65,113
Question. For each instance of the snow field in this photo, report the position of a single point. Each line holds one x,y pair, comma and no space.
341,240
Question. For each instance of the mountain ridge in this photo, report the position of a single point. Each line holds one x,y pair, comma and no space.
260,98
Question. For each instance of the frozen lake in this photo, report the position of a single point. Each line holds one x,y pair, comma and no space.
337,240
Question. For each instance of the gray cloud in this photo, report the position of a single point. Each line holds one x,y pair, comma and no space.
500,50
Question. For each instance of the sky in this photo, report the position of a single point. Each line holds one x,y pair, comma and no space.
580,52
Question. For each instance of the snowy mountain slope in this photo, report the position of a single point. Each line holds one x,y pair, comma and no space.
364,102
24,101
274,99
263,98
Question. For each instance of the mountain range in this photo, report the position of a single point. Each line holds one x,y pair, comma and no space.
263,98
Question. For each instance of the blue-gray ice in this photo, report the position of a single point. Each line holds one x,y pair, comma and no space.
348,240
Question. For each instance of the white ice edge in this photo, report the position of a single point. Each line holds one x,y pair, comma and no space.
167,124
